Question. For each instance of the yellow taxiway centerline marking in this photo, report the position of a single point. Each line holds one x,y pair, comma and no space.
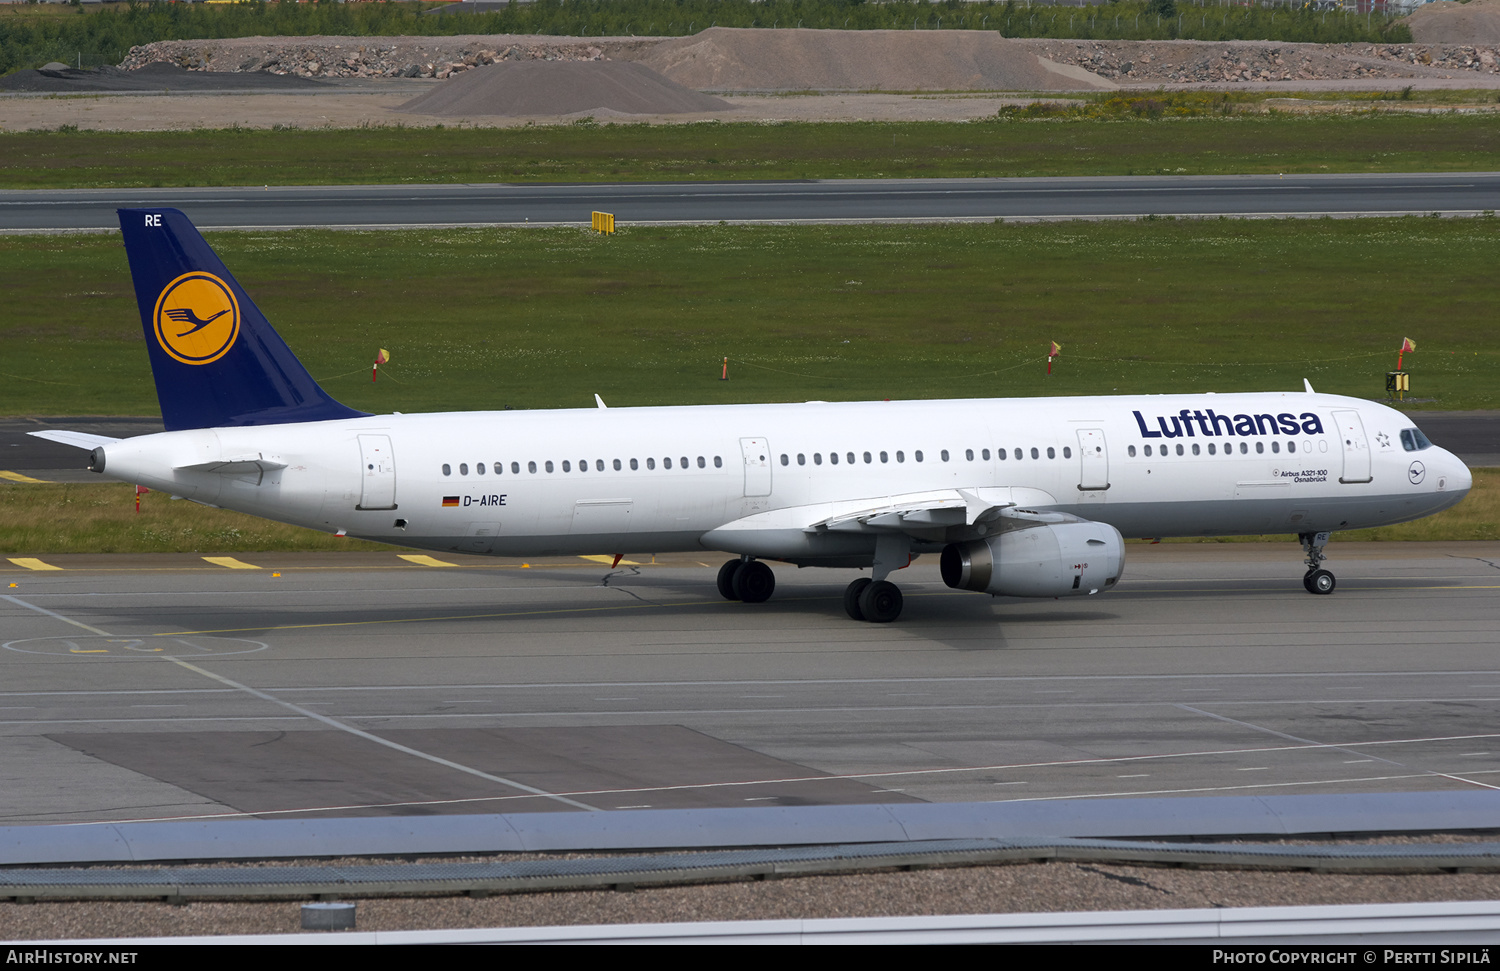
609,560
17,477
32,563
423,560
230,563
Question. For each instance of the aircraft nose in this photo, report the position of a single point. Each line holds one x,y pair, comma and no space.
1462,480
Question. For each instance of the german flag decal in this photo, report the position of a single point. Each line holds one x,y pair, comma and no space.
450,501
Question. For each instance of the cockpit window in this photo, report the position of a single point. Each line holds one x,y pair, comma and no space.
1413,440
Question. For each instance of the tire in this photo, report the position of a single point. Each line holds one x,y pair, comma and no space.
754,582
1319,582
726,579
880,602
851,597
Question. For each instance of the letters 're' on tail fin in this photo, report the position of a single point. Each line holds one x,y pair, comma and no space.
216,360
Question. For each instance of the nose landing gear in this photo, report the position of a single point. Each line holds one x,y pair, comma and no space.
1317,580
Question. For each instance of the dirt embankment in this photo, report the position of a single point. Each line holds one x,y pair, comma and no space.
1448,22
728,59
1205,62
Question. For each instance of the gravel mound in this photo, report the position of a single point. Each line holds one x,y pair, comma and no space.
152,77
522,88
746,59
1447,22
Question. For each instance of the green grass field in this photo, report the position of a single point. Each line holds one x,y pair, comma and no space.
1209,145
537,318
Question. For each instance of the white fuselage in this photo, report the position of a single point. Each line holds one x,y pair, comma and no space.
642,480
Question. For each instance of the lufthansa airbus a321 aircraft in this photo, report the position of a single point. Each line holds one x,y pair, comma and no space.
1019,497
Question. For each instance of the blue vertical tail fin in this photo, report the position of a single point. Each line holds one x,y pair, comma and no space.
216,359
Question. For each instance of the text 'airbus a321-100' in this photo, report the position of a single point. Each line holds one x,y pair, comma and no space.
1019,497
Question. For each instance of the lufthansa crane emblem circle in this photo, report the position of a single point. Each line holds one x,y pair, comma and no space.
197,318
1416,473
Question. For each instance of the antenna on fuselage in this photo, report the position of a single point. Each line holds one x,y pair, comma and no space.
600,402
1308,385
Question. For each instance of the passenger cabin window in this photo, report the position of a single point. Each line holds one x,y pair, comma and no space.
985,454
617,465
850,457
867,458
479,468
1035,454
917,455
499,467
516,467
566,467
1067,452
833,458
817,458
969,454
1051,452
1131,451
531,467
548,465
1260,447
718,462
447,469
785,460
943,455
463,468
1019,454
634,465
651,464
801,458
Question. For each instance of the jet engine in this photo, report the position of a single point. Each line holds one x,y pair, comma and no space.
1056,560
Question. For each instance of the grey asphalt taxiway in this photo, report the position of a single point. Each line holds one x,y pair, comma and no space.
854,200
294,685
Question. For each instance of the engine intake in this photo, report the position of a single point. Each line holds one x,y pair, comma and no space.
1062,560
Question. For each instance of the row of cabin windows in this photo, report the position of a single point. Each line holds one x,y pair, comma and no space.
849,458
583,465
1260,448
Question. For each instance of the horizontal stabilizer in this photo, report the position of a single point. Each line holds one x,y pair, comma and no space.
234,465
75,439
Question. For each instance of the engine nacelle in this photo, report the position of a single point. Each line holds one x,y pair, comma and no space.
1058,560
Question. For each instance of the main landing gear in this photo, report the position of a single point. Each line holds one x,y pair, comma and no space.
878,601
747,580
1317,580
874,599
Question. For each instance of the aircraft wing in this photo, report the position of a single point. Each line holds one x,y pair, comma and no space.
939,516
75,439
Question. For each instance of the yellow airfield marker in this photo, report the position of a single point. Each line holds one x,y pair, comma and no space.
32,563
230,563
17,477
610,560
421,559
